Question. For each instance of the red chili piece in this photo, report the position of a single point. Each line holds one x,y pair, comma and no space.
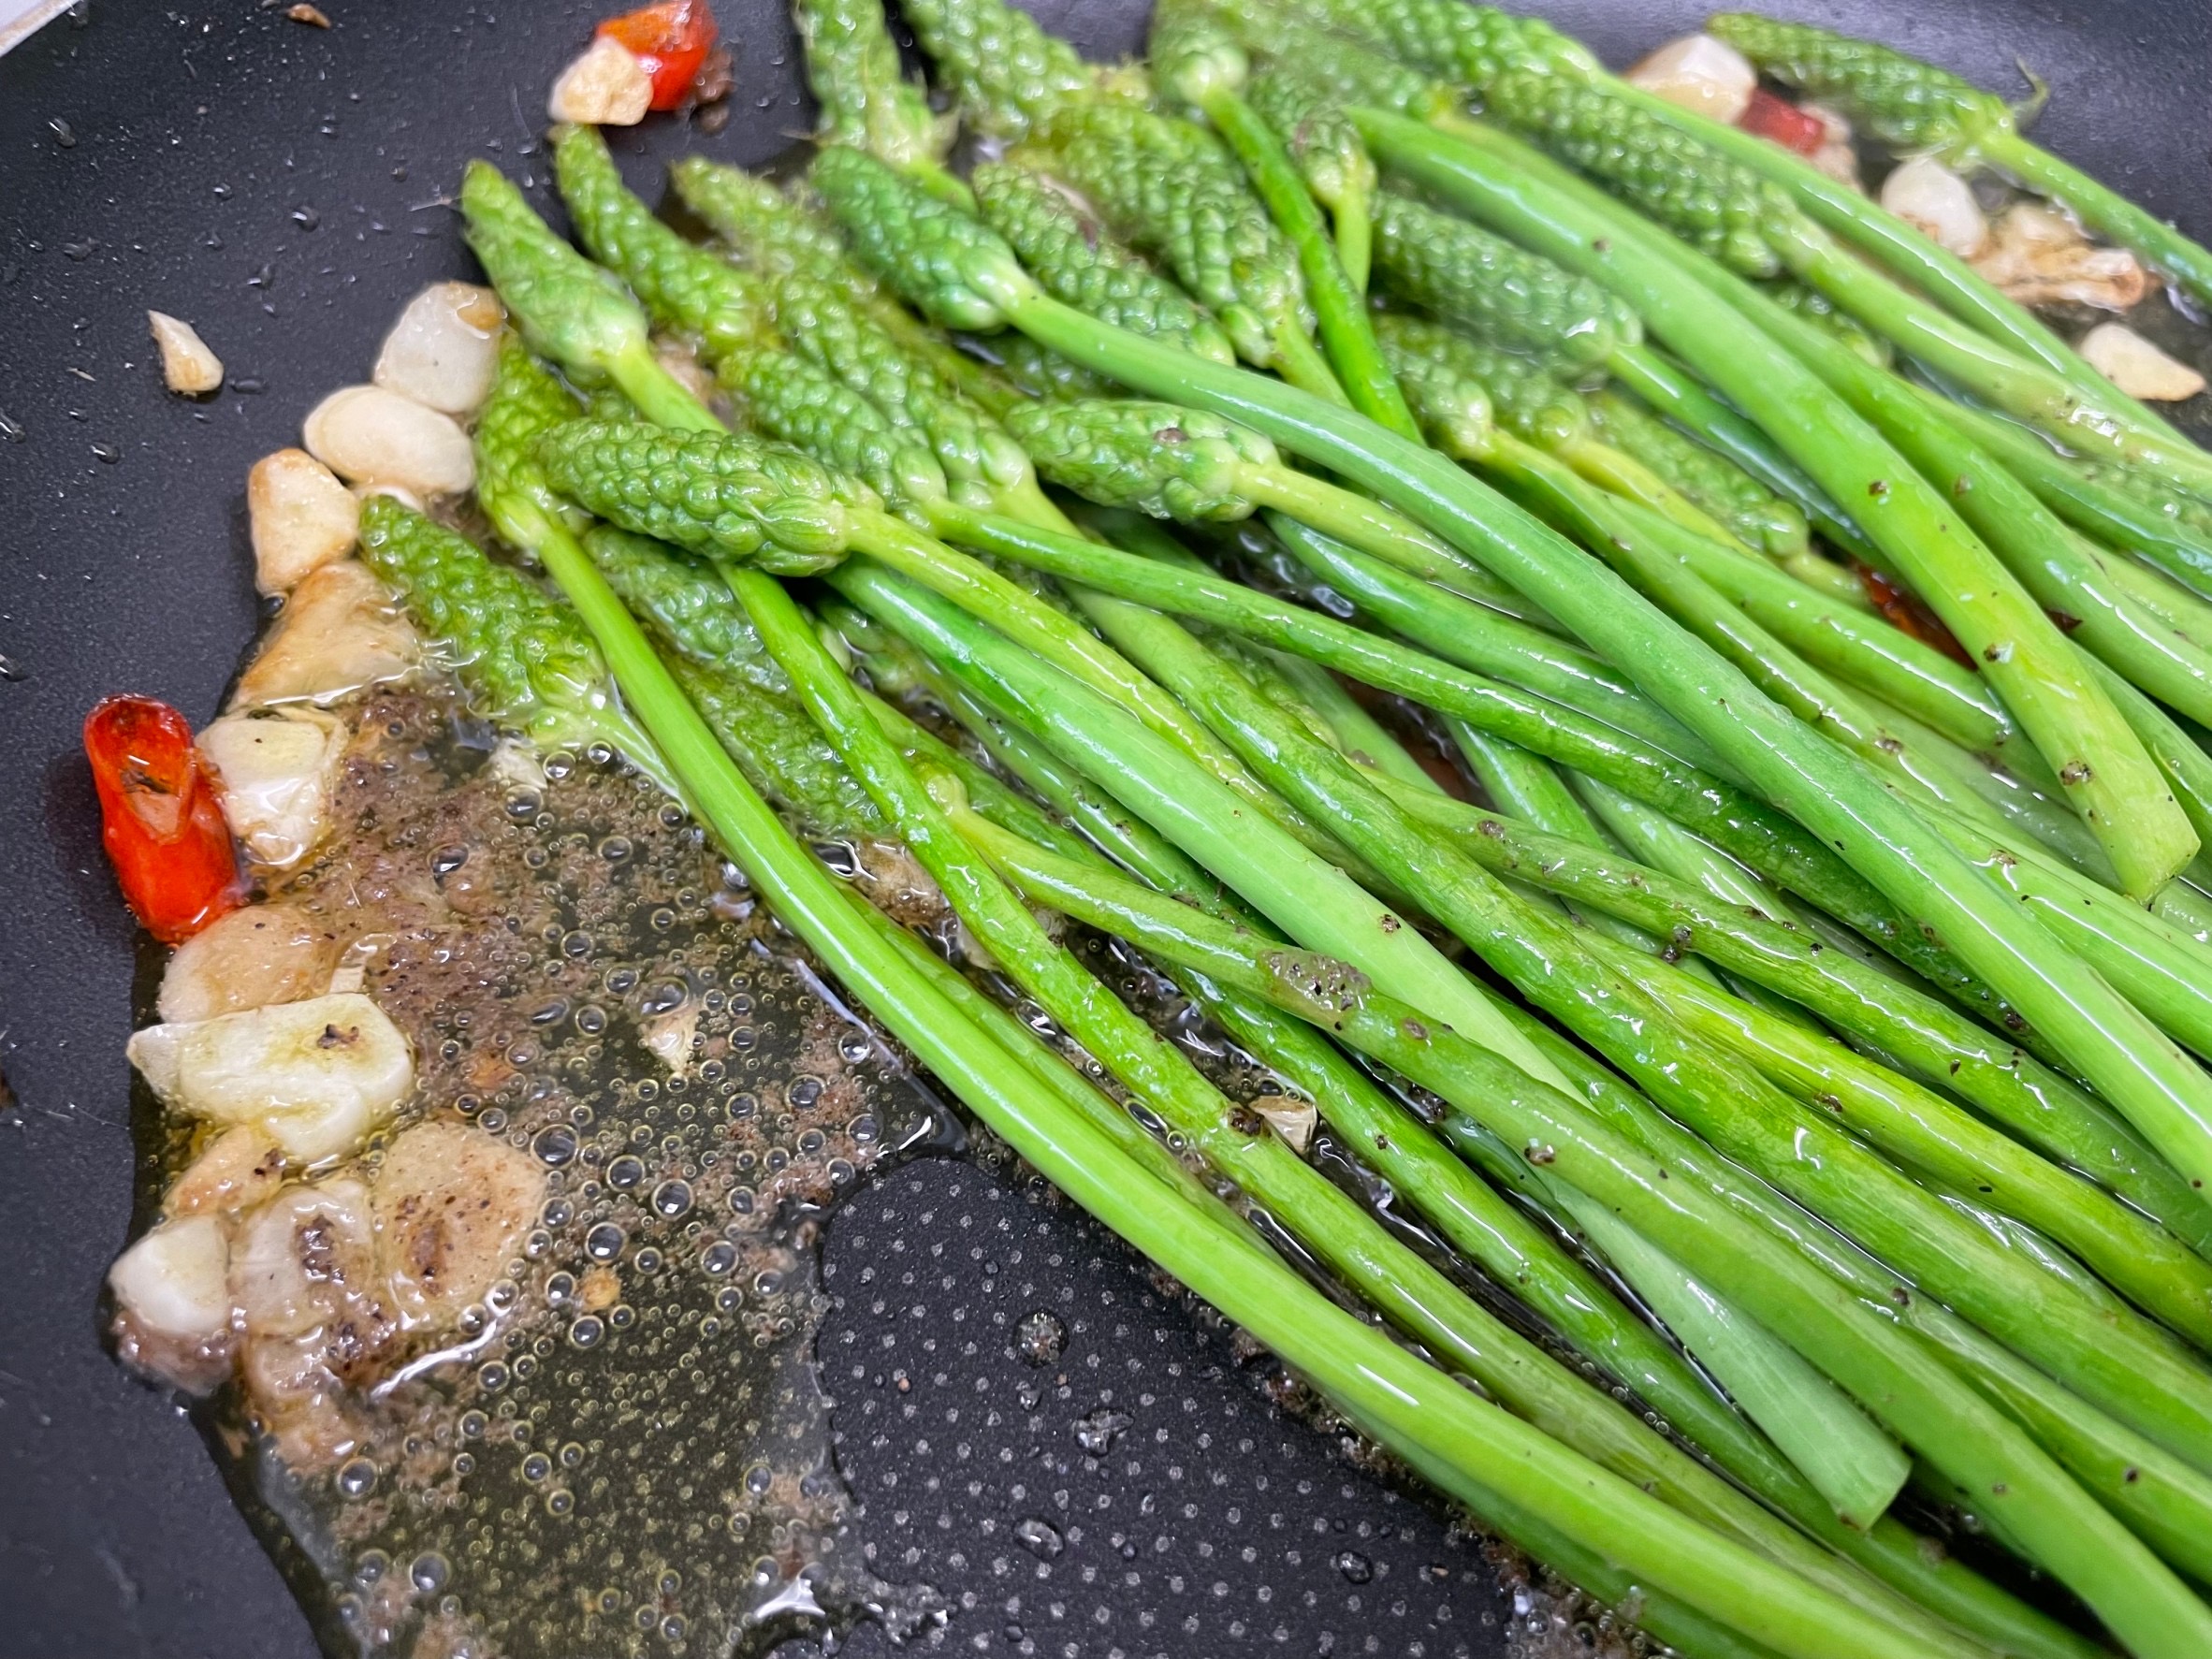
1907,614
160,819
1782,120
672,40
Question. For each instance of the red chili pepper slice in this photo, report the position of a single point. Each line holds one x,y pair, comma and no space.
159,818
1782,120
672,40
1907,614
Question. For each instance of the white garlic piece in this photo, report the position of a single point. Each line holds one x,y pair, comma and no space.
175,1280
253,956
2138,368
1938,203
451,1205
444,349
274,769
301,519
187,366
1699,73
604,86
368,434
316,1075
338,632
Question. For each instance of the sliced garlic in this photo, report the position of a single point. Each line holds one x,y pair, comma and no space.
2039,256
175,1279
186,363
604,86
368,434
302,518
444,349
235,1170
1699,73
450,1204
338,632
1292,1119
316,1075
274,769
302,1256
259,954
1838,154
2138,368
1938,203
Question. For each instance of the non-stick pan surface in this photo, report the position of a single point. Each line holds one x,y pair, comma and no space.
284,187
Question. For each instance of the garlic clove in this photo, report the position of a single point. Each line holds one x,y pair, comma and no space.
316,1075
444,349
175,1279
2138,368
301,519
370,435
187,366
1939,203
253,956
1699,73
605,85
274,770
450,1204
338,632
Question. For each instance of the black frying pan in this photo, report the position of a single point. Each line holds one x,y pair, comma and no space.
280,186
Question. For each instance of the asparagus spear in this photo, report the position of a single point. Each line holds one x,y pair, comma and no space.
1915,105
864,97
1005,71
1195,61
1074,255
1330,158
1169,189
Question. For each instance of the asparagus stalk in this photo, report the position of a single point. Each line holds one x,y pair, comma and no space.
1325,1219
1816,1164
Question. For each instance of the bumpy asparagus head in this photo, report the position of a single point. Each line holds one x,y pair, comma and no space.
1155,457
867,100
1005,71
725,495
776,233
1447,393
1169,189
1485,284
1474,44
791,398
1714,203
526,402
568,308
682,282
1326,146
1194,56
1899,99
948,264
525,657
1078,260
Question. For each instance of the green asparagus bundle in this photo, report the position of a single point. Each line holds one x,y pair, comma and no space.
1880,913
